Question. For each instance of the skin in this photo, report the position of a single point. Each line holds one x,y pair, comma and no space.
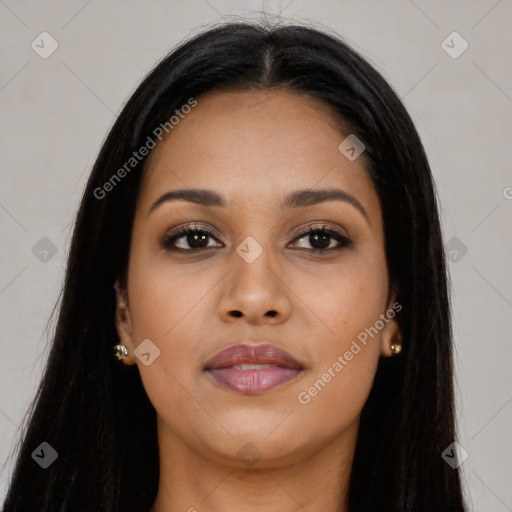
254,148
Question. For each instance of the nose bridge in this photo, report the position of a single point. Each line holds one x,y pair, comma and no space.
254,267
255,290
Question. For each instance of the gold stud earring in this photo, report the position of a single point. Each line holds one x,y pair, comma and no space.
396,346
120,351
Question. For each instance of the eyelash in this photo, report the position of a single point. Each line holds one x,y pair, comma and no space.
345,242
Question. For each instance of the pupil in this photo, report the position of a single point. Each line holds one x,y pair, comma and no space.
324,240
198,240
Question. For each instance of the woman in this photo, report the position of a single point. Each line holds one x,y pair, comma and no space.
259,244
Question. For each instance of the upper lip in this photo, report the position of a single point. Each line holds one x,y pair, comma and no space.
246,353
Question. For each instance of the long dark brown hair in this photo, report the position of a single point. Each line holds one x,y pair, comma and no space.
94,411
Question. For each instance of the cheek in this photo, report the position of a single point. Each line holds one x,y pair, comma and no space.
345,299
170,320
348,349
163,296
167,306
164,307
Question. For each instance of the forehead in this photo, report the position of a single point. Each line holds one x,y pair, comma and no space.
255,146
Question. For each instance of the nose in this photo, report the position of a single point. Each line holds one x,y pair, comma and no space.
255,293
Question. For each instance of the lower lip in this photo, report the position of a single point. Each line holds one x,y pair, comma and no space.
253,382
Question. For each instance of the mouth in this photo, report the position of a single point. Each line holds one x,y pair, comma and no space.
253,369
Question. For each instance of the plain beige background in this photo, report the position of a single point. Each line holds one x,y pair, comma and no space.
57,110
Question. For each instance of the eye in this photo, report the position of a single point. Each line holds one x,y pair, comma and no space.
321,237
191,238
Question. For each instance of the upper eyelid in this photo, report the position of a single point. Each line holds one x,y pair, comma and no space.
319,226
182,230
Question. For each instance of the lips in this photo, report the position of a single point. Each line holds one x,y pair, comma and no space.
253,369
263,353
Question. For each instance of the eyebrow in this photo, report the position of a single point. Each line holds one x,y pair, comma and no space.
297,199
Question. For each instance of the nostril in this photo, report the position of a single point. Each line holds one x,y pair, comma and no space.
238,314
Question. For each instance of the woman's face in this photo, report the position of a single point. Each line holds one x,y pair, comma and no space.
250,277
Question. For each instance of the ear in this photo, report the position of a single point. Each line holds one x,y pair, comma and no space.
123,323
392,332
